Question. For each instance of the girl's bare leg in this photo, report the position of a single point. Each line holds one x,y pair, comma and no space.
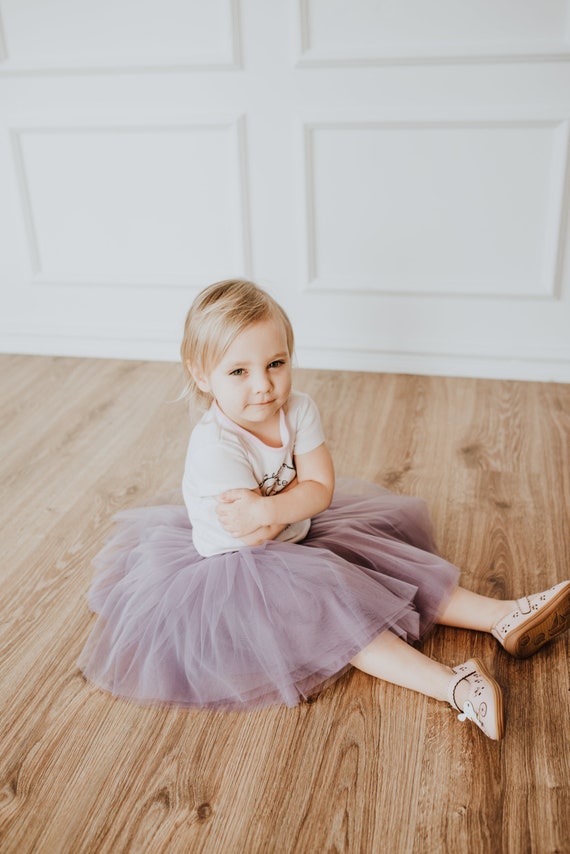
390,658
472,688
467,610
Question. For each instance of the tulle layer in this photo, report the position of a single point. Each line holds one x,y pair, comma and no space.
262,625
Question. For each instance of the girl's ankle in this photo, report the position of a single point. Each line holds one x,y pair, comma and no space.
503,608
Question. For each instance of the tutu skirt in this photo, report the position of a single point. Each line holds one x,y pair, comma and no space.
261,625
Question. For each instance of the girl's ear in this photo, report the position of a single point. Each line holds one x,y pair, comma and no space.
199,377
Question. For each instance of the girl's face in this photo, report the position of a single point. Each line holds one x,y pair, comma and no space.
253,380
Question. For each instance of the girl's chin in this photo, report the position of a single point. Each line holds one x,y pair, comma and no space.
259,413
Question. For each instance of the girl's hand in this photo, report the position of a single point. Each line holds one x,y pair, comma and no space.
262,535
240,512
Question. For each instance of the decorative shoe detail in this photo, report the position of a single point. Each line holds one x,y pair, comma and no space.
538,618
484,706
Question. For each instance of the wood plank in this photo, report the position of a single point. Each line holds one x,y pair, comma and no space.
366,767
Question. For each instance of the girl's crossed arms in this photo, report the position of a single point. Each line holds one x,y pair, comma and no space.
253,518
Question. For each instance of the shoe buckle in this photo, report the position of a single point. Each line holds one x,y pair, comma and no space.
468,712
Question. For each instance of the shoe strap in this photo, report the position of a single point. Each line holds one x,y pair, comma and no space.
468,713
452,686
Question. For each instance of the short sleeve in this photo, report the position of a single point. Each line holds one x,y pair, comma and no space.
308,429
217,466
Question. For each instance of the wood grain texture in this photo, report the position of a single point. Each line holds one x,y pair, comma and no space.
366,767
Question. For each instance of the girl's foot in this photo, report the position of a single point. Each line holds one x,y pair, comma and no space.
536,620
474,693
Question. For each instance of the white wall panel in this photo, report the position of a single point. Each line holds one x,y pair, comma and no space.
132,205
81,34
398,180
427,207
337,32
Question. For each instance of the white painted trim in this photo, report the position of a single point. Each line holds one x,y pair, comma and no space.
12,328
23,190
539,366
422,54
244,197
435,364
92,348
550,284
3,50
11,68
231,61
561,217
370,287
84,340
235,125
315,59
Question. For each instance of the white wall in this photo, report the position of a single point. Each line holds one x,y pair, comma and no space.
395,172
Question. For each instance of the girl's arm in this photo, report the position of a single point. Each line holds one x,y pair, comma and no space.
266,532
243,511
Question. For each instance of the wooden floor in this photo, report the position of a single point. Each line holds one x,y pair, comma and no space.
367,767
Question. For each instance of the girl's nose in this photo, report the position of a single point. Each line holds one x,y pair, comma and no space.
262,382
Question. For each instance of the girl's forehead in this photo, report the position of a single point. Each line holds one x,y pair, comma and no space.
270,328
268,334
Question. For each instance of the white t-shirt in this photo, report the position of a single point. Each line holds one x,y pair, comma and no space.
221,455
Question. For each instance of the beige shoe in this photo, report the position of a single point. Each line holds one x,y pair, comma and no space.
537,620
484,706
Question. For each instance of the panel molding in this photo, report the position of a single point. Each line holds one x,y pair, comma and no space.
534,367
558,214
162,344
3,51
309,56
236,127
223,61
85,341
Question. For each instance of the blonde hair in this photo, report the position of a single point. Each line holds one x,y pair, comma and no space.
216,317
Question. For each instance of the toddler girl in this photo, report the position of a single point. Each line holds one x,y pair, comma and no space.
268,583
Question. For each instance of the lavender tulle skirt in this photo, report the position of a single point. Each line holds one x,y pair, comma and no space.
264,625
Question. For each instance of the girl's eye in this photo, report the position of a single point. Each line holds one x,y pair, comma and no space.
277,363
237,373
